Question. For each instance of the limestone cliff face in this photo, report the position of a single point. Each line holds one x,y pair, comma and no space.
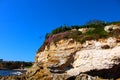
68,59
60,56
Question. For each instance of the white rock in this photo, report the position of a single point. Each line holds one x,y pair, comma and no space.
87,60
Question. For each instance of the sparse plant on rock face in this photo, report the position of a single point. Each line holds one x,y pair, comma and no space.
50,38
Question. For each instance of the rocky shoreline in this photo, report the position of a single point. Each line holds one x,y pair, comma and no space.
12,74
63,58
21,77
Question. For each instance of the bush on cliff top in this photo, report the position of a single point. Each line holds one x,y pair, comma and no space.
66,32
89,24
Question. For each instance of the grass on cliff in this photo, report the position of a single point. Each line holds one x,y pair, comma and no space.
66,32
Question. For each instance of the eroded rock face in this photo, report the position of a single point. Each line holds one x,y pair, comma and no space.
71,59
58,58
109,28
87,60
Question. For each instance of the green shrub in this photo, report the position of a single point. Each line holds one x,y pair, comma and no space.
47,35
61,29
75,27
65,32
116,23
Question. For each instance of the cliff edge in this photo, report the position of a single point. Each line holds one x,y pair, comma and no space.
79,54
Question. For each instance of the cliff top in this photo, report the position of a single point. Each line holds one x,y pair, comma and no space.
92,30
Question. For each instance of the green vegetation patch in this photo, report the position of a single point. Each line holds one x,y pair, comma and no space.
67,32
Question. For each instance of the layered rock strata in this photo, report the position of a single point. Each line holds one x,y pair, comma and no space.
68,59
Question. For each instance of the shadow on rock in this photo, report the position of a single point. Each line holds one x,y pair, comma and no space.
112,73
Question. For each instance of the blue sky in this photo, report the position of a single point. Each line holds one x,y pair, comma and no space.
24,23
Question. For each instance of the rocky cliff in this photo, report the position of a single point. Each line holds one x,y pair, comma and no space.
61,58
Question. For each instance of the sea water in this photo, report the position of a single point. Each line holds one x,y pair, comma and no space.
11,72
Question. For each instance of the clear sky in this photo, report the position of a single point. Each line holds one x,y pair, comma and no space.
24,23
